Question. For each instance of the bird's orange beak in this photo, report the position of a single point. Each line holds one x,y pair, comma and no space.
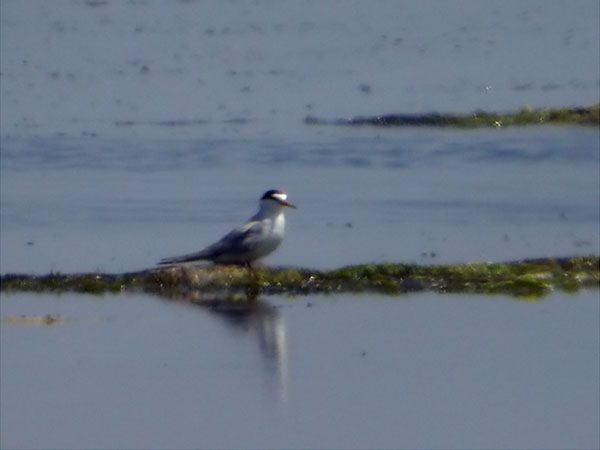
288,204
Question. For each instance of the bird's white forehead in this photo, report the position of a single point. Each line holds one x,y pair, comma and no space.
281,196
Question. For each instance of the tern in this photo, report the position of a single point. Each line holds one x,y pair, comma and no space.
255,239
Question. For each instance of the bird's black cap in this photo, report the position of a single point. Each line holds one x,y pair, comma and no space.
273,193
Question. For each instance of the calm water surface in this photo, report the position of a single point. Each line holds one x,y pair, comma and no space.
421,371
362,195
253,68
145,129
134,130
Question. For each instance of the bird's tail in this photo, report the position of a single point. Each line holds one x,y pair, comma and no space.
199,256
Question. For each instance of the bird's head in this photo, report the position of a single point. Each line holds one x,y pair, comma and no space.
275,199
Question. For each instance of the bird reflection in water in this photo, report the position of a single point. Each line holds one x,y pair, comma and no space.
264,321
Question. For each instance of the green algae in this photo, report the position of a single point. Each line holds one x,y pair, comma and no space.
525,279
587,116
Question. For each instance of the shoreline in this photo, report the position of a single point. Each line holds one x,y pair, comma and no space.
584,116
530,278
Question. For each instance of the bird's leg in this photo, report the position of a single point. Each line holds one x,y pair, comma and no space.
253,289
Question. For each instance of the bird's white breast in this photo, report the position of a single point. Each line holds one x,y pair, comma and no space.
274,234
278,226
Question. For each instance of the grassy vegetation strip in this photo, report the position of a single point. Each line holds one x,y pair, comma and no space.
589,116
528,278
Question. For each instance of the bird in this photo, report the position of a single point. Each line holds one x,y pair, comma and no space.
254,240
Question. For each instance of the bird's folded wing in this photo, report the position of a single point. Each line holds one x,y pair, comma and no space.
240,240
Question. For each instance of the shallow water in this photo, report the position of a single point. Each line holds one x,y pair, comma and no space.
420,371
246,68
137,130
363,196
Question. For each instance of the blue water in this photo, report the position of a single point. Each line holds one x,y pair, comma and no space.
131,131
81,204
135,130
238,69
423,371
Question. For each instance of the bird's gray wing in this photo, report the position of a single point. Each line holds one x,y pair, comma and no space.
240,240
